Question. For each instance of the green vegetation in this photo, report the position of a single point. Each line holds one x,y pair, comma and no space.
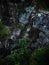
24,56
20,26
40,56
19,56
3,31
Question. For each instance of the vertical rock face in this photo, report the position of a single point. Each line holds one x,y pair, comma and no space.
25,16
41,22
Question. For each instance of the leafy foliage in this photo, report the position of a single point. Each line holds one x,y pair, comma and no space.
40,56
3,31
24,56
19,56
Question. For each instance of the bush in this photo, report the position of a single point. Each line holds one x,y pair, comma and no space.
24,56
40,56
3,31
19,56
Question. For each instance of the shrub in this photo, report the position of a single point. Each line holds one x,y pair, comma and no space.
40,56
19,56
3,31
24,56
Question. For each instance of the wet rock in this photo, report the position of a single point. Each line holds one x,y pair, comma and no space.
25,16
41,22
